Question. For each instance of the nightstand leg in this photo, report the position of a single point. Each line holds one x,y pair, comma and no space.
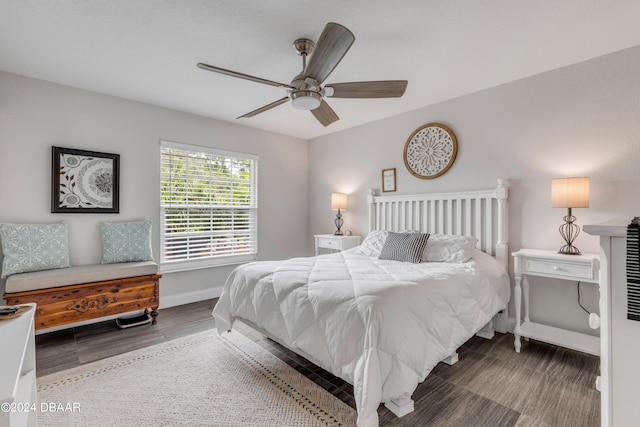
517,294
525,296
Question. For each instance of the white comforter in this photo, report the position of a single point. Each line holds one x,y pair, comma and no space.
380,325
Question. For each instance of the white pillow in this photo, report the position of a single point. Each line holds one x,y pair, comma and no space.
449,248
373,243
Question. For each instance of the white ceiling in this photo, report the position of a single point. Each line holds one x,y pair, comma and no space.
147,50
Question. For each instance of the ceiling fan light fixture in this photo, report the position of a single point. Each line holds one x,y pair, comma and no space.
305,99
306,91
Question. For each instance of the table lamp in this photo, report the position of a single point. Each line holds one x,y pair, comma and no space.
338,202
569,193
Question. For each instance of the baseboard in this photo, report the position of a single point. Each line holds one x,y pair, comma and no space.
511,325
189,297
503,324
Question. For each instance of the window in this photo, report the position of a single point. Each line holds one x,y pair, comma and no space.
208,205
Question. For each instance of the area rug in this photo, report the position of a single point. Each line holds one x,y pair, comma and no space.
200,380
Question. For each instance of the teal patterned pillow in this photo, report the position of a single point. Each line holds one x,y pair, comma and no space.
126,241
33,247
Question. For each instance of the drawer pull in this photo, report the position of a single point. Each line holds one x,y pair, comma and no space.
556,268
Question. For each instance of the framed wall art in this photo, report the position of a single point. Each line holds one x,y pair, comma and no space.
84,181
389,180
430,151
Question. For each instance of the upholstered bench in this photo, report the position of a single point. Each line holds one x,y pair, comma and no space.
73,294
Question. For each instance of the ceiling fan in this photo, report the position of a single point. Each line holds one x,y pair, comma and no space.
305,91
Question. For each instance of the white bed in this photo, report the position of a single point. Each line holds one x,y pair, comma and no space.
383,325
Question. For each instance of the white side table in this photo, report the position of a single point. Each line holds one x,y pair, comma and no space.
338,243
532,262
18,370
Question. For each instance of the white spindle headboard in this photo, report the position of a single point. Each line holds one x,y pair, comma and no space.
482,214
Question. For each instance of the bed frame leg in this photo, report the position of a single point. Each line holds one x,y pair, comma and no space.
487,332
400,407
452,359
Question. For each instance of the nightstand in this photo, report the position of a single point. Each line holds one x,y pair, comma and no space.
338,243
531,262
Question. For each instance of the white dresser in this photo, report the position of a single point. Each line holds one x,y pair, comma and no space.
18,371
619,337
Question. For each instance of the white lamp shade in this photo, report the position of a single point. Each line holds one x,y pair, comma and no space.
338,201
570,193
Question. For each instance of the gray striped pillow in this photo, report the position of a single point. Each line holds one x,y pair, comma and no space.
406,247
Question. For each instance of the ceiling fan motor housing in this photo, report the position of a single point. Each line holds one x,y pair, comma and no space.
305,94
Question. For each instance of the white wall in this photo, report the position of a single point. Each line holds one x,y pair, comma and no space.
35,115
580,120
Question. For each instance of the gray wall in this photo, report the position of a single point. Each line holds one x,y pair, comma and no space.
582,120
35,115
579,120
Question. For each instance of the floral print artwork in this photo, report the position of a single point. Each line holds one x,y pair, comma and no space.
85,182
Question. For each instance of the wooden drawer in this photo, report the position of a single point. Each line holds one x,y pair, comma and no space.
328,242
75,303
571,270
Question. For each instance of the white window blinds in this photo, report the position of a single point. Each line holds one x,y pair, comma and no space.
209,206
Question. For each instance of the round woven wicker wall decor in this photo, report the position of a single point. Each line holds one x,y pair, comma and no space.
430,151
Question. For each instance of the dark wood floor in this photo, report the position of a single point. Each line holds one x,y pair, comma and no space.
491,385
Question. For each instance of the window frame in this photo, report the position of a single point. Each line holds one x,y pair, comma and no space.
219,260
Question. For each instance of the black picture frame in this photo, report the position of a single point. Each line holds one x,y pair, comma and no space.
84,181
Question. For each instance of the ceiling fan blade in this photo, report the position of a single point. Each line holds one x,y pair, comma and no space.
240,75
374,89
333,44
266,107
325,114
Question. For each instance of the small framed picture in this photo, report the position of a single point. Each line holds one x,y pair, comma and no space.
84,181
389,180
